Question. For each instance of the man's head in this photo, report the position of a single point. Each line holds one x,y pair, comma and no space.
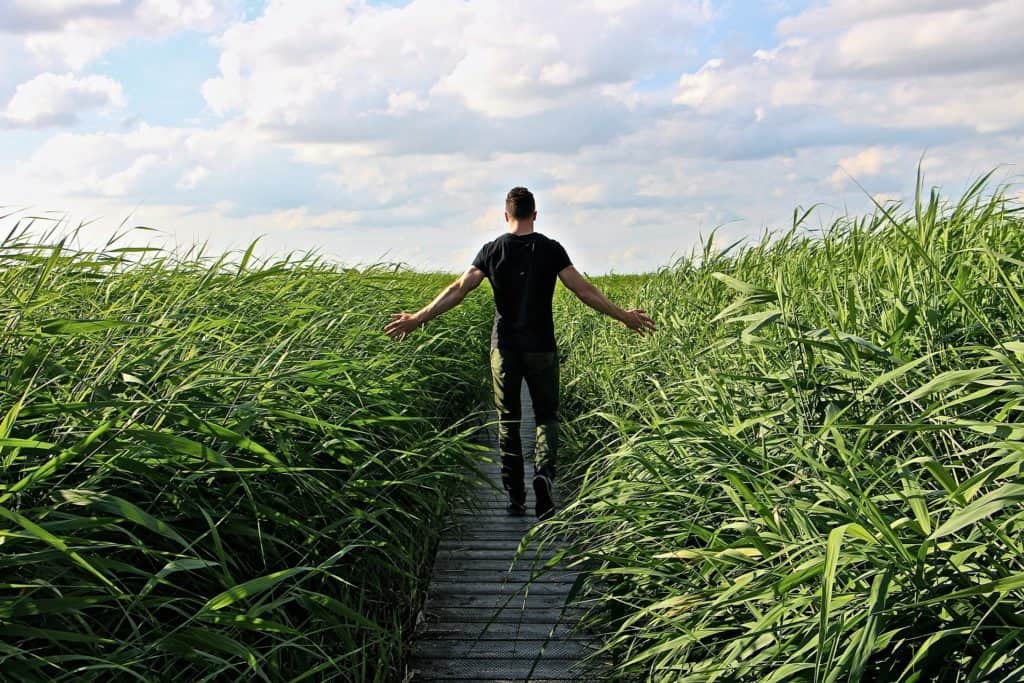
519,205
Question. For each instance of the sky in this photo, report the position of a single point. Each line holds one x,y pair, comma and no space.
390,131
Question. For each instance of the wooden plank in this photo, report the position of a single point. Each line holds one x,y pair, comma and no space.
507,572
492,472
499,522
509,544
498,631
535,538
511,537
496,523
517,576
492,491
441,589
512,594
507,540
471,574
489,521
497,565
499,498
494,496
527,601
504,669
562,648
515,525
494,507
492,512
508,615
423,678
485,530
466,555
490,559
501,548
520,574
495,513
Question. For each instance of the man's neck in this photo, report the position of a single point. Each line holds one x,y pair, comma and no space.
520,227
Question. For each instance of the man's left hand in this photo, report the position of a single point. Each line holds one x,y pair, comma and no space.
401,325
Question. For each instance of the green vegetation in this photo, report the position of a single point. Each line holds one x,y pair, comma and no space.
813,471
220,470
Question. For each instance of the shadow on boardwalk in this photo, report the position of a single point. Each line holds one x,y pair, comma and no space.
484,619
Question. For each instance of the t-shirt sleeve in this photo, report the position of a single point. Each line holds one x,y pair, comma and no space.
481,260
559,257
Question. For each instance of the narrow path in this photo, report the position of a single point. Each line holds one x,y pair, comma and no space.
482,620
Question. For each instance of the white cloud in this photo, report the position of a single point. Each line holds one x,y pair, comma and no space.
938,42
625,94
145,160
103,163
883,197
864,68
405,102
190,179
706,89
915,63
72,33
561,74
325,70
121,182
834,15
867,162
578,194
490,221
58,99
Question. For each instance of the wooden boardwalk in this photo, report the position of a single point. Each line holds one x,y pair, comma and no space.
483,620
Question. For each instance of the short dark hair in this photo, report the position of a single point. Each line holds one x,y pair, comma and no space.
519,203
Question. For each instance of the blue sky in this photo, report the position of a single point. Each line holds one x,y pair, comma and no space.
391,130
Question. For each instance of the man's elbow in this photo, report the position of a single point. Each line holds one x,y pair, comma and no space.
458,290
585,292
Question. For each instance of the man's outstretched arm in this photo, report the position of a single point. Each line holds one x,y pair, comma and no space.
451,296
635,319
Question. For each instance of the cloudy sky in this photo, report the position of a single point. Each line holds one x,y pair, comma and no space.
390,130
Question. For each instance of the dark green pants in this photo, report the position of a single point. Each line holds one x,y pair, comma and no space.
540,370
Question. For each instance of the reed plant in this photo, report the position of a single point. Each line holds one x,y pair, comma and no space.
812,472
219,467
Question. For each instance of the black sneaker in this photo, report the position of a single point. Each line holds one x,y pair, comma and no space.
542,487
516,507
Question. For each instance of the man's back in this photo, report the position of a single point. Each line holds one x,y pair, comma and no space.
522,270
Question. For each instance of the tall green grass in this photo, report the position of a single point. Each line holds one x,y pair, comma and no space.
812,472
218,468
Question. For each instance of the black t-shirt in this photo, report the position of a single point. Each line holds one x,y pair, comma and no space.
522,270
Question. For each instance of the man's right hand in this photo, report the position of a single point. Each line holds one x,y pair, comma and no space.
638,321
402,324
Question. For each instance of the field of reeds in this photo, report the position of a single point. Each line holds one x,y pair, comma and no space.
222,469
218,469
812,472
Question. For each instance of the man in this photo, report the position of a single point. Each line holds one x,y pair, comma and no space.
522,266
